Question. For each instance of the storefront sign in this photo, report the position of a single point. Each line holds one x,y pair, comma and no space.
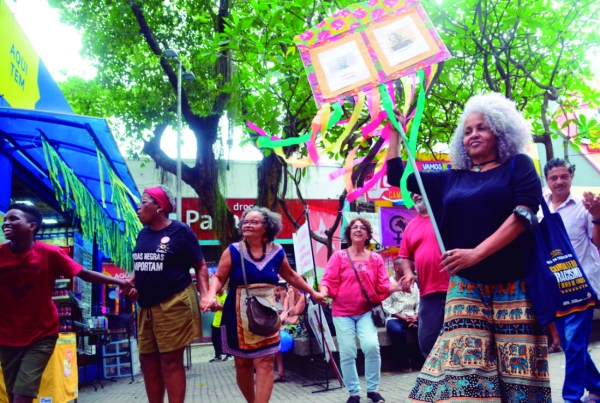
383,191
202,223
19,63
114,271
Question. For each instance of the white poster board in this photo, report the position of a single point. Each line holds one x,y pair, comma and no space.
314,319
302,250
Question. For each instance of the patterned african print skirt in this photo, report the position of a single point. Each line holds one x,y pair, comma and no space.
491,348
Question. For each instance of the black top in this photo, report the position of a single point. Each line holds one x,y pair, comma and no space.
162,261
470,206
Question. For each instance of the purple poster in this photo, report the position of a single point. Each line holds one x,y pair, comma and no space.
393,222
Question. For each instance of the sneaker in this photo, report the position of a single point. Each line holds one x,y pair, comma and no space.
353,399
217,358
228,358
375,397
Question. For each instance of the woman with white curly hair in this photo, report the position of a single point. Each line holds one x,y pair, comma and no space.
491,347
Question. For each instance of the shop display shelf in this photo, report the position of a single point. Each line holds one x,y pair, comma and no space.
62,300
61,284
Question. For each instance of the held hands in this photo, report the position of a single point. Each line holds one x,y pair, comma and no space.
394,287
208,303
455,260
319,298
128,289
592,204
407,281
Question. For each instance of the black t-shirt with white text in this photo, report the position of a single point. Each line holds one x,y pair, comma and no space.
162,261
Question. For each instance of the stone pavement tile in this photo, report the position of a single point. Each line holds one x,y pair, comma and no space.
215,382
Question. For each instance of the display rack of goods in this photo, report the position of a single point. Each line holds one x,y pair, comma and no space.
60,296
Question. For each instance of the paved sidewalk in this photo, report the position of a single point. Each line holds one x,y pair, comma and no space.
215,382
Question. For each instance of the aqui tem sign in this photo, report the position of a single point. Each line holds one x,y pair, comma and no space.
19,63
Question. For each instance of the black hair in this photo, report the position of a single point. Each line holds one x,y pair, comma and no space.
33,214
556,163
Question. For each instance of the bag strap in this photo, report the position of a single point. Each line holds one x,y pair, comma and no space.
358,279
244,268
542,201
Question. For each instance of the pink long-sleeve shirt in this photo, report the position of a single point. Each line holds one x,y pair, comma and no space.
344,289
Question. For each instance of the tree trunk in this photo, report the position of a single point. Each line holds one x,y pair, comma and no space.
546,140
204,178
269,175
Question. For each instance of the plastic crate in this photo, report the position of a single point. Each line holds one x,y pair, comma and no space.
121,369
110,350
110,361
124,369
111,371
123,346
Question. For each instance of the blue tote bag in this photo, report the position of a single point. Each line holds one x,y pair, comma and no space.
556,284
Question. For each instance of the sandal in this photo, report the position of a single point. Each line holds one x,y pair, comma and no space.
279,378
555,349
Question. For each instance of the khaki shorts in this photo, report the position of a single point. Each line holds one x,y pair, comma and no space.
170,325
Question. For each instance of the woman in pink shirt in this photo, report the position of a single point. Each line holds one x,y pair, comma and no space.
351,311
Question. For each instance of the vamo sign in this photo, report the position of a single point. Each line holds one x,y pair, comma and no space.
201,222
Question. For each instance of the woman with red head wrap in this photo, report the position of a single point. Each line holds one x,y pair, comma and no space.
169,317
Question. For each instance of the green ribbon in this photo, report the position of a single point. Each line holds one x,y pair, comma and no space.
411,143
267,142
335,116
101,176
94,223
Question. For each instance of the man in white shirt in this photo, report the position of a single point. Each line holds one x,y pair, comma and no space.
582,221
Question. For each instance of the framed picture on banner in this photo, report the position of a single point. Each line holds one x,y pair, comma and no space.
402,42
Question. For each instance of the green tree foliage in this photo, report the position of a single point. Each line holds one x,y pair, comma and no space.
242,52
532,51
137,84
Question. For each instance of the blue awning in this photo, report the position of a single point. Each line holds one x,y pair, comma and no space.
75,138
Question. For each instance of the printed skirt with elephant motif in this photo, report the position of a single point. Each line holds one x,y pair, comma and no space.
491,348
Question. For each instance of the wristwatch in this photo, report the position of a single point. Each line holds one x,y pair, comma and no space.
527,217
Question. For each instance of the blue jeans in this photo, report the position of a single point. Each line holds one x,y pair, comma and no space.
347,328
580,371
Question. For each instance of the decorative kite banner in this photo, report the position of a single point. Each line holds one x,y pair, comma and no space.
366,54
368,44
